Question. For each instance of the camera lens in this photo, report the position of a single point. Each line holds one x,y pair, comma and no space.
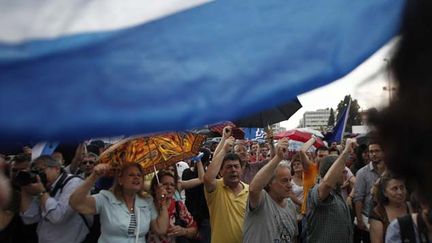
24,178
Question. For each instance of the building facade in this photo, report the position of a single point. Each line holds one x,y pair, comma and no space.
277,128
317,120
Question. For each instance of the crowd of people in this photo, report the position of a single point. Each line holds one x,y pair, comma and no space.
242,192
235,191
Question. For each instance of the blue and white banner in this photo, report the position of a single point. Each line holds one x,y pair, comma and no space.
73,69
260,134
43,148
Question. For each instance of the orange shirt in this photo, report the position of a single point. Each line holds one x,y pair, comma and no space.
309,179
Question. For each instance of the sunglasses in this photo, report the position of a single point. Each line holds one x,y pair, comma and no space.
89,162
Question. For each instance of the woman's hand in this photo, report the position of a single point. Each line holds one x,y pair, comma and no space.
161,197
175,231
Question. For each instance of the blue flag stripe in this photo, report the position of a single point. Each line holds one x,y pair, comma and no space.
220,61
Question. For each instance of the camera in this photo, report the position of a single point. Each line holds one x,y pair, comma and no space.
24,178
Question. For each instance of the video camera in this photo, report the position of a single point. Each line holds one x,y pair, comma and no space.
24,178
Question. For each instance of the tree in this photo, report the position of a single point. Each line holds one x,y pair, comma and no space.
354,115
331,120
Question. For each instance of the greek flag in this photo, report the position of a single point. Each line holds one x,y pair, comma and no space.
260,134
72,70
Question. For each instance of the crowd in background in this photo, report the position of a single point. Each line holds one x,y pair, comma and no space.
234,191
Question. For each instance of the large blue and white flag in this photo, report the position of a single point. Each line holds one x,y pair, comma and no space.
73,69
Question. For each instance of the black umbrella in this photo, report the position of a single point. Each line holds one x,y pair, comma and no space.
273,115
215,130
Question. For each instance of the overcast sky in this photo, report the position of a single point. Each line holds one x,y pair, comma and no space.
365,84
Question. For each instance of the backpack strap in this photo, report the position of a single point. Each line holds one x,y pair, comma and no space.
85,221
406,225
59,184
64,179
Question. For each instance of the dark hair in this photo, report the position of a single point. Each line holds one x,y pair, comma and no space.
380,186
322,148
206,157
374,140
359,152
326,163
334,150
405,124
98,143
232,156
294,158
174,166
91,148
160,174
21,158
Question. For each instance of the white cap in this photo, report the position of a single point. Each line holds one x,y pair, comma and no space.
181,166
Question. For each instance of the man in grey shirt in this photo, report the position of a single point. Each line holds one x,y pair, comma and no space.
365,179
57,221
328,215
270,214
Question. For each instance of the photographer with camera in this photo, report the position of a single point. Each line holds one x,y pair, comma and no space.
12,229
45,200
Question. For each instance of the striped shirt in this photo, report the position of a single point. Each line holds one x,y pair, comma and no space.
132,225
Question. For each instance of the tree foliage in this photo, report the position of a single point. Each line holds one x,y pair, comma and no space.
331,120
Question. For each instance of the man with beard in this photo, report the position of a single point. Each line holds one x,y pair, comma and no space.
328,216
270,214
226,197
365,179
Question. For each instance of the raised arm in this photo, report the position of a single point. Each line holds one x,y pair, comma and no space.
226,133
187,184
160,224
269,140
80,200
75,163
334,174
214,167
303,156
264,175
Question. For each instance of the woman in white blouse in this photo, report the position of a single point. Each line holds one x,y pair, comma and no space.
125,215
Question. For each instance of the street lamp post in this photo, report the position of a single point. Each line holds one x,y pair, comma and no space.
390,88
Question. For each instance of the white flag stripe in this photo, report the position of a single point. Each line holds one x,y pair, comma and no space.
260,134
23,20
